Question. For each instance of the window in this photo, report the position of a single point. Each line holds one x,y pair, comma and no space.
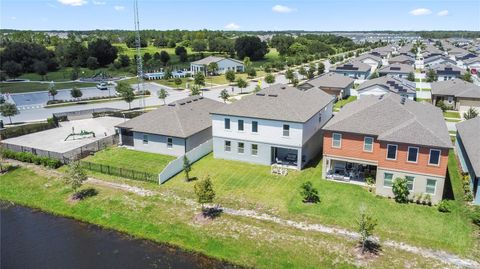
368,144
240,125
336,140
169,142
145,139
286,130
410,181
228,145
254,149
412,154
434,157
241,147
227,124
254,126
387,180
391,152
431,186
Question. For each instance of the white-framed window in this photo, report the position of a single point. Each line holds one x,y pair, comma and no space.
228,145
410,182
227,124
391,152
434,158
169,142
254,126
368,144
241,147
387,180
240,125
412,156
254,149
286,130
431,187
336,140
145,139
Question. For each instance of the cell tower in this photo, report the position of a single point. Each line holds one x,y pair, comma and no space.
139,55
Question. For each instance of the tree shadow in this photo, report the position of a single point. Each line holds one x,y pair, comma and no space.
371,247
448,188
212,212
191,179
85,193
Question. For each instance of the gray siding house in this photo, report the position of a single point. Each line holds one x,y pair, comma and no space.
468,150
456,94
331,83
386,84
173,129
397,70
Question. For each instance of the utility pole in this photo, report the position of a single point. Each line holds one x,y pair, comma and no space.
140,86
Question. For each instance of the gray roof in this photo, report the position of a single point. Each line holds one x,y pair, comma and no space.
401,58
391,83
182,118
447,68
368,56
396,68
456,87
430,59
354,66
279,102
472,60
329,80
390,120
213,59
468,132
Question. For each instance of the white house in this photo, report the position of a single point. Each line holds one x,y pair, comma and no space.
224,64
279,124
372,60
383,85
472,64
396,70
447,71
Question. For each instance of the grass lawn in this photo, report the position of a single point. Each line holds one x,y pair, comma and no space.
453,120
339,104
270,57
423,100
131,159
20,87
451,114
418,80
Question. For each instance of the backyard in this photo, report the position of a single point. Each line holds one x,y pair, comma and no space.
340,103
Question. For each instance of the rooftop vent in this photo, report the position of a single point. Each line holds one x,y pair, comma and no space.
260,94
171,104
182,103
283,87
402,101
380,98
273,95
189,101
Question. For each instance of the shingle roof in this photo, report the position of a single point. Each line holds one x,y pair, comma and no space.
447,69
457,88
390,120
396,68
430,59
279,102
391,83
330,80
213,59
367,56
354,66
182,118
401,58
468,132
472,60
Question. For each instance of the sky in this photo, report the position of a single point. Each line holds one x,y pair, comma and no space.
309,15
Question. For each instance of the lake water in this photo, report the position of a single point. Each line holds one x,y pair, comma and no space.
33,239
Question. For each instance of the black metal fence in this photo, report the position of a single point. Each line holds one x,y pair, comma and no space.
120,172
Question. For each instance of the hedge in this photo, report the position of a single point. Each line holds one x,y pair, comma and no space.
15,131
31,158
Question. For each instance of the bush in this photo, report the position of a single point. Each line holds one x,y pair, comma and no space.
476,216
29,157
444,206
309,193
400,190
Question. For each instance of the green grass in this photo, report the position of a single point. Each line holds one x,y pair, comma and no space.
20,87
418,80
131,159
270,57
423,100
453,120
339,104
451,114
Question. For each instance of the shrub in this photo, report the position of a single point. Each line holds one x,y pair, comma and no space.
31,158
309,193
400,190
444,206
476,216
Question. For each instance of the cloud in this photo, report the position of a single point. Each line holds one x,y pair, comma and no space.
119,8
420,12
443,13
282,9
13,18
74,3
232,26
99,3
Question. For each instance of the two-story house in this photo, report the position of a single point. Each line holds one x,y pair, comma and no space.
356,70
279,124
468,151
388,137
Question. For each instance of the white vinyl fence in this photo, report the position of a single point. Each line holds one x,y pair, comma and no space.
176,166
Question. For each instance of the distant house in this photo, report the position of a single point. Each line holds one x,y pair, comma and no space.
383,52
331,83
173,129
457,94
473,64
373,60
224,64
357,70
387,84
437,59
402,59
397,70
278,125
468,151
388,137
447,71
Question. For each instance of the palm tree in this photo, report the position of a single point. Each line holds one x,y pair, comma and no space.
470,114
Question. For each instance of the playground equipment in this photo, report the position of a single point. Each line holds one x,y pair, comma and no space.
83,134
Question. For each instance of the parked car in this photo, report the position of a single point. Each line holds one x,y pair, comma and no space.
102,86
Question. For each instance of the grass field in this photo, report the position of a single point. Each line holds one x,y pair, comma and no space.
423,100
340,103
451,114
19,87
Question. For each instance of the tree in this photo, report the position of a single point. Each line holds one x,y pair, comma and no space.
182,53
147,57
212,68
92,63
269,78
374,75
470,114
302,71
431,75
12,69
187,167
204,191
199,79
241,83
126,92
199,45
309,193
164,57
366,226
103,50
467,77
411,76
247,62
40,68
251,72
250,46
162,94
75,176
178,82
311,71
297,49
195,90
124,60
9,110
230,75
52,90
321,68
76,92
282,43
400,190
224,95
289,75
131,42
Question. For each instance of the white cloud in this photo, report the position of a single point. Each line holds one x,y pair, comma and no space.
74,3
232,26
99,3
282,9
443,13
119,8
420,12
